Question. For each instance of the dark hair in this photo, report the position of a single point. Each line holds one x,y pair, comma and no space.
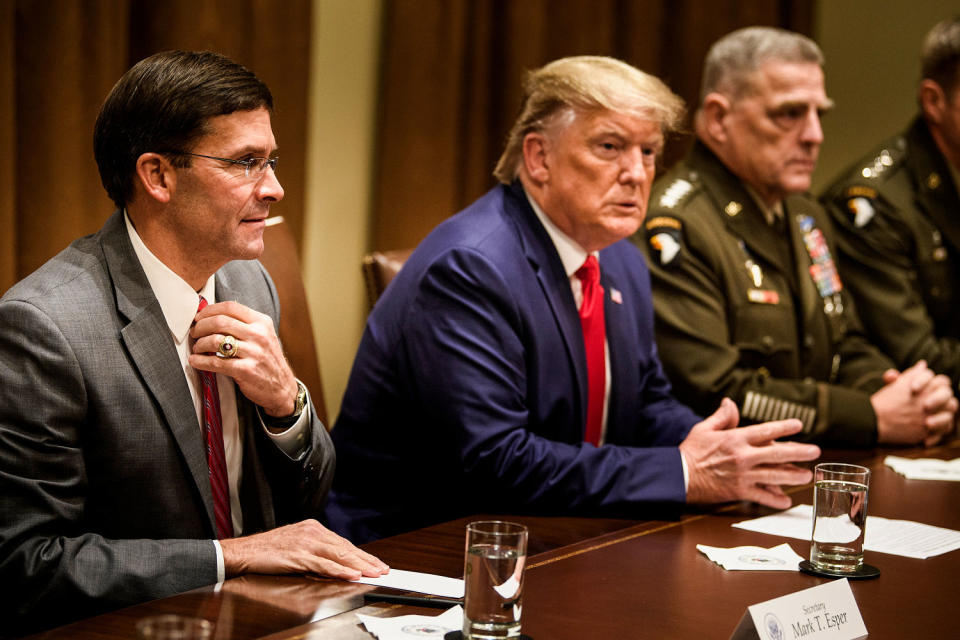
940,54
162,105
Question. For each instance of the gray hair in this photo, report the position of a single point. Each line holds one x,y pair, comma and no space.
586,83
940,54
733,58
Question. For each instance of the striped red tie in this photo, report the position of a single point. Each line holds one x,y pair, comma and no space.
216,458
594,339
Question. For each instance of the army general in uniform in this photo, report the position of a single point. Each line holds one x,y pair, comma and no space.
897,217
747,297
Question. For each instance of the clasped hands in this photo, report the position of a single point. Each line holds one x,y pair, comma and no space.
914,406
724,463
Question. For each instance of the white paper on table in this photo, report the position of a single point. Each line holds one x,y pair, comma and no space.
925,468
896,537
779,558
405,627
418,582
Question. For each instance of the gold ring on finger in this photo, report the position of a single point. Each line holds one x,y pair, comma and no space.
229,347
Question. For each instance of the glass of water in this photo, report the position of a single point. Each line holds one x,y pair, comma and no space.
496,553
839,517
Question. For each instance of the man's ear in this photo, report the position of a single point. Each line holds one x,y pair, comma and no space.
713,114
535,156
156,176
932,99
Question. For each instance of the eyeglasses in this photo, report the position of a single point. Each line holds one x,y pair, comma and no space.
252,167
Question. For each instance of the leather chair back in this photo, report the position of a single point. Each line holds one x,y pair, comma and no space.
379,268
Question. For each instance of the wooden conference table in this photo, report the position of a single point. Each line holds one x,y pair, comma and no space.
604,578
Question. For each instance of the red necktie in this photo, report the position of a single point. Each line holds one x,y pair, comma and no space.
594,338
216,458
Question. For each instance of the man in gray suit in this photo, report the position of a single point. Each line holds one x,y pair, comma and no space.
147,448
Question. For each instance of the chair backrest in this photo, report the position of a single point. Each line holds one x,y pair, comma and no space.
280,258
379,268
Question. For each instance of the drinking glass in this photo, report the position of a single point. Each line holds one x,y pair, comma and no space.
839,517
495,555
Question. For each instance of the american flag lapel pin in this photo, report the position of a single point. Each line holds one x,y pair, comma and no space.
616,296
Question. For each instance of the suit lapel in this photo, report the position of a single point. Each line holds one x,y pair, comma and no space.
147,338
256,503
761,238
545,262
740,211
621,345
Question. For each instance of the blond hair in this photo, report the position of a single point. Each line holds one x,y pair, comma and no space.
586,83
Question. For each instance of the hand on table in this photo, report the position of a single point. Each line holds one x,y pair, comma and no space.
303,547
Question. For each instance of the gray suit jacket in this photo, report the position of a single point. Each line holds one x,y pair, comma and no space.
104,493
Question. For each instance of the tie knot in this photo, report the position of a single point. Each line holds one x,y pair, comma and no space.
589,273
203,303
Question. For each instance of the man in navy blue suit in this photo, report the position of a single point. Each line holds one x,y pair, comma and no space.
469,392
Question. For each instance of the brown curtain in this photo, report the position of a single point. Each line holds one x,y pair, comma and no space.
450,85
59,59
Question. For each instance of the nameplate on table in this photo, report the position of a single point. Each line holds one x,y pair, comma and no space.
825,612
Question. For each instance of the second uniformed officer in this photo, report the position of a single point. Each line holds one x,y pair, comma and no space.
897,218
748,301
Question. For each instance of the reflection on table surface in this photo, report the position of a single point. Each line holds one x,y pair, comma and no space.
601,577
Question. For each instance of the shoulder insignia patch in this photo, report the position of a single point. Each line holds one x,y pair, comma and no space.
860,191
862,210
663,234
675,193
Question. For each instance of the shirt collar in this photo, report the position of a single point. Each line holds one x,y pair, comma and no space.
572,255
177,299
770,213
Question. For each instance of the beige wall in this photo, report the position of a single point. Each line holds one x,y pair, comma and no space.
872,52
340,138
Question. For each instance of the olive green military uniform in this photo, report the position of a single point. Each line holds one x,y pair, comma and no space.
897,220
753,312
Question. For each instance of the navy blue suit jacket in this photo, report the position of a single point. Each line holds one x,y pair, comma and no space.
468,393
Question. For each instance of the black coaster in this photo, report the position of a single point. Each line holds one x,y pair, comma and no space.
458,635
863,572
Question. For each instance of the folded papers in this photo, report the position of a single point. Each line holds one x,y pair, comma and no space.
406,627
925,468
779,558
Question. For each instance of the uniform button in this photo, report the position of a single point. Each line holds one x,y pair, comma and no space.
767,341
808,341
763,372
